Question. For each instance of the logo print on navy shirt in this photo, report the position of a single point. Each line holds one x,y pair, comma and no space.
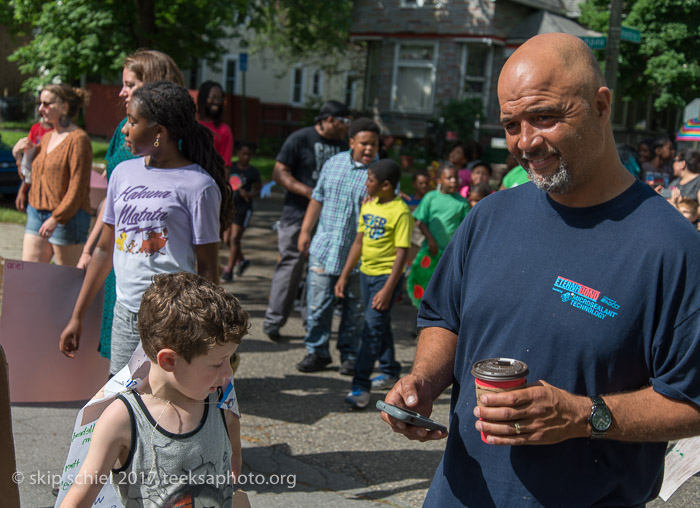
585,298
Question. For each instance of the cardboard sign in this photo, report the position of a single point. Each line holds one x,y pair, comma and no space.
37,302
682,462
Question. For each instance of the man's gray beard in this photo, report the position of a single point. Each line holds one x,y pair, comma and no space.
560,182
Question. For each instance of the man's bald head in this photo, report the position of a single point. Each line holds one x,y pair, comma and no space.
555,109
555,57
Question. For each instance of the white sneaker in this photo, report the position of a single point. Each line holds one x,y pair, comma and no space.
383,382
357,399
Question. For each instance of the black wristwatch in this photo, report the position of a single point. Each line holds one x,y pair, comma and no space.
600,419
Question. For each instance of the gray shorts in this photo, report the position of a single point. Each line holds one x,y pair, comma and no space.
125,337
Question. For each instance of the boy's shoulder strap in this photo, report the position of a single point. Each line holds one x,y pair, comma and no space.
132,425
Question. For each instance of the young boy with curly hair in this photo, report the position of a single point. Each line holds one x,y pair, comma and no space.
167,443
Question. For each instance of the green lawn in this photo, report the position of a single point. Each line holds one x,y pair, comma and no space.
99,149
9,214
265,166
10,137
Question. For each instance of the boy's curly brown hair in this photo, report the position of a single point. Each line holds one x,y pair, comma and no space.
188,314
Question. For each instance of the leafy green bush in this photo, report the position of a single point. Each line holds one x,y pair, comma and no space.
460,115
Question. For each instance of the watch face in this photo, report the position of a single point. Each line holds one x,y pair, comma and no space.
601,419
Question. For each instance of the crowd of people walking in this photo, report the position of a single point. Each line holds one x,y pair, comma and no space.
351,242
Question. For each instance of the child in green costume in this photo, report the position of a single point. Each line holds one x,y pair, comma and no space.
440,213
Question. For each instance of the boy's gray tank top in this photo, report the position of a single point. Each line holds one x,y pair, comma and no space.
191,469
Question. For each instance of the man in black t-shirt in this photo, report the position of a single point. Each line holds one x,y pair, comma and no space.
297,168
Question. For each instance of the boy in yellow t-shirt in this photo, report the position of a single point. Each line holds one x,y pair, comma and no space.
383,239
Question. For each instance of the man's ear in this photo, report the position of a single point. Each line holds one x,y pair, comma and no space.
603,102
166,359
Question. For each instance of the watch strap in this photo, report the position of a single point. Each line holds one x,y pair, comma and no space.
598,404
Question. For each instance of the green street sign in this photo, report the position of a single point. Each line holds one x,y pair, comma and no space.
595,42
630,35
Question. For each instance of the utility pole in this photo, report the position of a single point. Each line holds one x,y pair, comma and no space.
612,50
243,64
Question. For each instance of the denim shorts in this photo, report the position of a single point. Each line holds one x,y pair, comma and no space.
125,337
73,232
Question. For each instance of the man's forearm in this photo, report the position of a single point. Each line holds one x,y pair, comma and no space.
435,358
313,212
283,176
549,415
646,416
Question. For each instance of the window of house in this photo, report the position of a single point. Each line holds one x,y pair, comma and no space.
475,69
413,82
317,83
230,74
373,75
421,3
352,91
297,85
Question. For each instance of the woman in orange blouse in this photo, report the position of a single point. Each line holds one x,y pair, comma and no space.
58,214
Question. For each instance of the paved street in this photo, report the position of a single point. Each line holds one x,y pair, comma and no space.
293,423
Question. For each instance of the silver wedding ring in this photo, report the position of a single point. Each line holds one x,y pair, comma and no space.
517,427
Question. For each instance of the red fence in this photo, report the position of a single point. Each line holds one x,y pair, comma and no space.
263,120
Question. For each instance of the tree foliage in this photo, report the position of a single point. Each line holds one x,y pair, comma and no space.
461,114
76,37
302,29
667,62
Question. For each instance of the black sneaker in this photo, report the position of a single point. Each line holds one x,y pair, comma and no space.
347,368
242,266
273,334
226,276
312,363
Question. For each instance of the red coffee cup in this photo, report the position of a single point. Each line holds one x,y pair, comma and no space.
498,375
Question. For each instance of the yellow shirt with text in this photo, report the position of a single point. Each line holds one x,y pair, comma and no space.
385,227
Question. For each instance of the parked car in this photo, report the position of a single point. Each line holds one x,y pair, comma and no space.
9,176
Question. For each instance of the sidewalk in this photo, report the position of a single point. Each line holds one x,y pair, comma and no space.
293,423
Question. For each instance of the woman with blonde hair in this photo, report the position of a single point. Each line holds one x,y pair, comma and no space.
58,212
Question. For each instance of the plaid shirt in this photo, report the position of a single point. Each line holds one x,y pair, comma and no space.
340,188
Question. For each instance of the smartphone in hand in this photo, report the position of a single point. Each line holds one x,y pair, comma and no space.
410,417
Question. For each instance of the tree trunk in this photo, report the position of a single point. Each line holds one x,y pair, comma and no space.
146,32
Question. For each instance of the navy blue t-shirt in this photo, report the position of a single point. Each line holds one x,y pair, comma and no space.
595,300
304,152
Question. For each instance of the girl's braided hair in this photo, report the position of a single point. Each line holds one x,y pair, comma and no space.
170,105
